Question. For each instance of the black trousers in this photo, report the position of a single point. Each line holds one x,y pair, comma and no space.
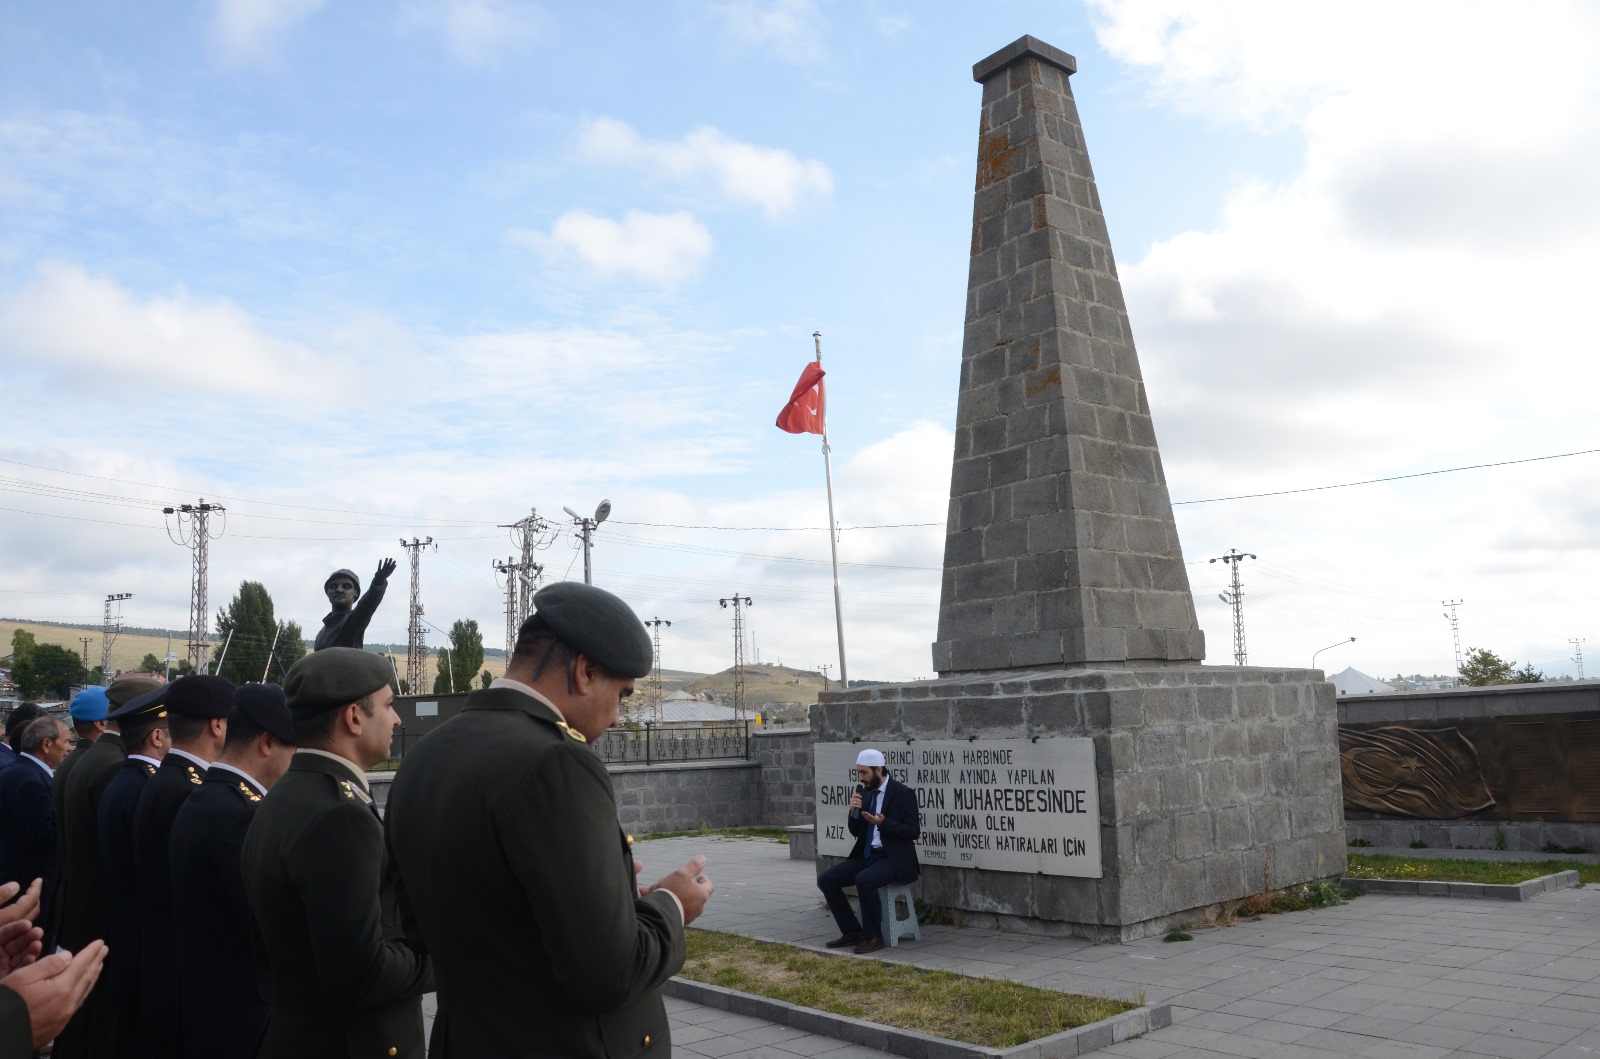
869,876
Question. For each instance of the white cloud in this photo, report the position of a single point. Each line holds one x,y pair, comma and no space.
769,177
69,321
790,28
248,32
477,32
660,248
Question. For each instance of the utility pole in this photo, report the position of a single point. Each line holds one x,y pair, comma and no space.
85,641
586,528
1234,597
108,636
655,678
1455,628
193,530
527,534
824,667
1577,645
738,602
416,649
518,597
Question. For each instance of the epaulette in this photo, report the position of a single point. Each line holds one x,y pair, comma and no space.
249,792
149,769
355,793
194,777
572,732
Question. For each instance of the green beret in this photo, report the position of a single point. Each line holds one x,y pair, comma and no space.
597,625
333,677
121,692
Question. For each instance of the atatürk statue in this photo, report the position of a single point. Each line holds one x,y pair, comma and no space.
346,624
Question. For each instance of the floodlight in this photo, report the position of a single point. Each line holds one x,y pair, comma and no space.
573,513
602,512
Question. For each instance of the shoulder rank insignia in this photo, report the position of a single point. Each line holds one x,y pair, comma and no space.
249,794
194,777
149,769
355,793
571,731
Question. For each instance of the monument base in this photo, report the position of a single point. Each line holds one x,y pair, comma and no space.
1214,782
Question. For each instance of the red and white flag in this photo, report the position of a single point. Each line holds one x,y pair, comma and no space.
807,408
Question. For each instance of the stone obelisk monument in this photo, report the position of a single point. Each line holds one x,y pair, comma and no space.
1077,766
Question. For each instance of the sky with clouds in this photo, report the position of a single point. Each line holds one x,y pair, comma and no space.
367,271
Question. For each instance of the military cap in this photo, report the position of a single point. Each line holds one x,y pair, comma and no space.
146,709
90,704
266,705
201,696
343,573
123,691
332,677
596,624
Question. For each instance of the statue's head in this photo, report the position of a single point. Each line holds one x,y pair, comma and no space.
343,588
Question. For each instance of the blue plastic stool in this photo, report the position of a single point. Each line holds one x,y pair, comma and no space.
896,926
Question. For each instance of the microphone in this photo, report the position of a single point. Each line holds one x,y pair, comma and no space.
861,792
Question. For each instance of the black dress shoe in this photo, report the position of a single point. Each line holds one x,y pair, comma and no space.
843,940
870,945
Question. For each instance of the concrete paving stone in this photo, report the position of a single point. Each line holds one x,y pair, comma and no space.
1316,1019
1282,1032
1255,1008
1216,1020
689,1033
1373,1026
1507,1047
1437,1036
1403,1050
1142,1048
772,1033
1548,1032
1456,1019
718,1047
1584,1018
1342,1042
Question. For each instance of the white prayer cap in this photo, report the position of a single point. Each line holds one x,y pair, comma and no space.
873,758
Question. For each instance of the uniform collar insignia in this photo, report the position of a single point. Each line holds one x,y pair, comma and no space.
250,794
194,777
149,769
356,793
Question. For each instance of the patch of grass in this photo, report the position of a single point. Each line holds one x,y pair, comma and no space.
1440,869
776,834
1551,847
1293,899
989,1012
1178,935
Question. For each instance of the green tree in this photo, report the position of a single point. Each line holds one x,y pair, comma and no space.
48,669
260,645
151,664
1484,668
485,679
459,661
22,645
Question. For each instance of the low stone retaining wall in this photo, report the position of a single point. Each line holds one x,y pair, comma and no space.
1523,891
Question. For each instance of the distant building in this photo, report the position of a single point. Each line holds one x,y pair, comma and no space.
1354,682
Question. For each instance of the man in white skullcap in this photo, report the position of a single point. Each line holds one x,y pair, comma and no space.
885,822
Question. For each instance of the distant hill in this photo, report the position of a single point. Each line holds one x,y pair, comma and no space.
763,684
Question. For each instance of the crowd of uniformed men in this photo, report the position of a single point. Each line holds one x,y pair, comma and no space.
206,876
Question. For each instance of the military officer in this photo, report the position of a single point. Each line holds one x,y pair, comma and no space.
88,713
143,726
85,896
344,979
221,994
504,824
197,721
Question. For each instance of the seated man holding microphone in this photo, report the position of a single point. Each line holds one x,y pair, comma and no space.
885,822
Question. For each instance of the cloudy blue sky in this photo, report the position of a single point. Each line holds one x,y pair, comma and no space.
364,271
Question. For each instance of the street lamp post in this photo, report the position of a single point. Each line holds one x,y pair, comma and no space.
1330,647
586,526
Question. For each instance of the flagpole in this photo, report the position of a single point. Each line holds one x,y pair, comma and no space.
833,531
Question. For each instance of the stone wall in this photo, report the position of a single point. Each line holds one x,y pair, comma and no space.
788,797
1215,783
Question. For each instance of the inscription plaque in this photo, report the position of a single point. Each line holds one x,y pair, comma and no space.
994,804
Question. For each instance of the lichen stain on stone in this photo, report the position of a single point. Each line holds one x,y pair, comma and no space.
1040,218
995,159
1052,379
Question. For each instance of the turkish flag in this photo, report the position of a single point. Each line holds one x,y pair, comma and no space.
807,407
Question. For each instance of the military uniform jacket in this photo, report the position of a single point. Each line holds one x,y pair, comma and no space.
85,913
220,990
121,974
504,826
16,1031
163,796
344,981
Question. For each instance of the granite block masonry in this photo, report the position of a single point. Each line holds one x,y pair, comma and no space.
1065,611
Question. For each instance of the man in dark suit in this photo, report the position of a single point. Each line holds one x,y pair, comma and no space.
885,822
29,837
19,718
344,979
197,721
143,725
221,992
556,952
85,894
